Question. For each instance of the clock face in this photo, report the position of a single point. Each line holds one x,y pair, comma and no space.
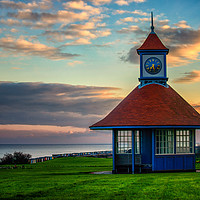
153,65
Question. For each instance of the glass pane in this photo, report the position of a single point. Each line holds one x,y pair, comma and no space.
184,141
164,141
137,142
124,141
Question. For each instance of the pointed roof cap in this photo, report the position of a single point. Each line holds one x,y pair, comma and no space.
151,105
153,43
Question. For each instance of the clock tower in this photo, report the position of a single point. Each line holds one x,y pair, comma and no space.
153,60
153,128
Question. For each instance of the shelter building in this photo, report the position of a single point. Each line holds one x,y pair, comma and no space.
153,128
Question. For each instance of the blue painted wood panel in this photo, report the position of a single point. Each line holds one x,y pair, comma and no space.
133,152
146,146
175,162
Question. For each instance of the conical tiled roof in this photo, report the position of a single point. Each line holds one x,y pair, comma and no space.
152,42
151,105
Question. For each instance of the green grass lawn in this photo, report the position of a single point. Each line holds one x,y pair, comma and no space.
69,178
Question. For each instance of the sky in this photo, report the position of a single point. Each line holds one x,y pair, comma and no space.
64,65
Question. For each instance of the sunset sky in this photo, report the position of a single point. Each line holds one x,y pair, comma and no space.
66,64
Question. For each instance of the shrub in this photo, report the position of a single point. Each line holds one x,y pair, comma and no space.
7,159
16,158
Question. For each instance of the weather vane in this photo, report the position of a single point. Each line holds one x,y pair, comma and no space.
152,27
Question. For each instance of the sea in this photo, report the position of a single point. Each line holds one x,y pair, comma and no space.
40,150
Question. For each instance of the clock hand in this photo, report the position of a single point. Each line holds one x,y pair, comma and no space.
152,67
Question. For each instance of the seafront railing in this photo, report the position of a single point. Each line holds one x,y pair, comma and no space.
104,154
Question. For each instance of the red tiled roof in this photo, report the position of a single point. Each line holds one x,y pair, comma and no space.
152,42
152,105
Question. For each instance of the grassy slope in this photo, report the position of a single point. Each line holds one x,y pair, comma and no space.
67,178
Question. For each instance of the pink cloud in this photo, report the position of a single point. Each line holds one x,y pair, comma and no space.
51,134
127,2
189,77
182,24
81,5
23,47
43,5
47,129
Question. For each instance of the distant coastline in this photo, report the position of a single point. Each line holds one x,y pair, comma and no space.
42,150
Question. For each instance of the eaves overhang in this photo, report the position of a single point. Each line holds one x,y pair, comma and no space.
141,51
144,127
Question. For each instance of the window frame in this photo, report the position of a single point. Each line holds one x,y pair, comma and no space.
182,142
165,146
191,141
137,142
123,141
121,148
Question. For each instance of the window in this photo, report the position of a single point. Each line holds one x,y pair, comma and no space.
124,141
137,142
184,141
164,141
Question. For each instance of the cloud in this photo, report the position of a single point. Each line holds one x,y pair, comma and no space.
81,5
75,62
131,19
43,129
43,5
163,22
99,2
127,19
131,29
62,16
14,30
122,2
81,34
43,134
32,25
107,44
127,2
10,22
138,1
144,19
131,56
74,23
182,24
189,77
86,26
16,68
54,104
80,41
140,12
22,47
136,12
183,43
70,34
42,20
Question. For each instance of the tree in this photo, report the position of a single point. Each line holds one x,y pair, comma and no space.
7,159
16,158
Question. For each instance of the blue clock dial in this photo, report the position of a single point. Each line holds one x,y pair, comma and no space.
153,65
